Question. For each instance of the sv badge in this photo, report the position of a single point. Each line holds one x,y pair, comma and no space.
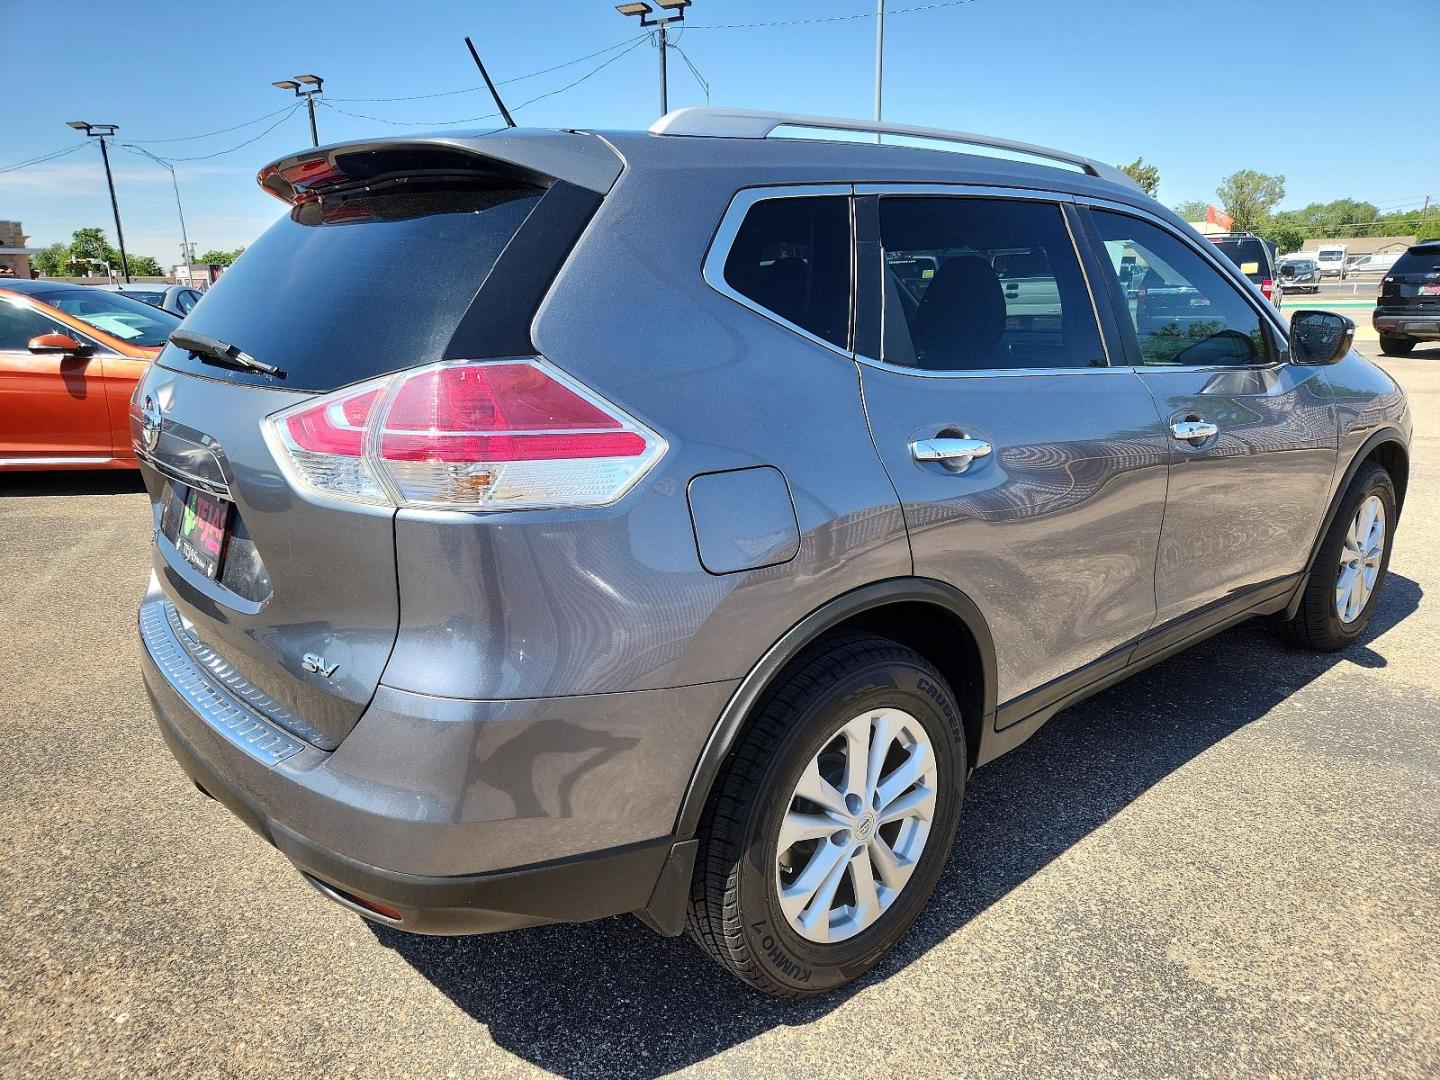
317,664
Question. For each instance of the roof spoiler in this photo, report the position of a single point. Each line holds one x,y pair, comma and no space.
539,158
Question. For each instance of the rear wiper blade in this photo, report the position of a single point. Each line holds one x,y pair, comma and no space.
222,352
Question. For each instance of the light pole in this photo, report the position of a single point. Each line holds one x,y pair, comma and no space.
879,58
103,132
184,240
315,83
676,10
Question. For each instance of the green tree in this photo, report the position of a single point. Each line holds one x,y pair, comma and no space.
1287,237
1194,210
144,266
91,244
221,258
53,260
1147,176
1249,196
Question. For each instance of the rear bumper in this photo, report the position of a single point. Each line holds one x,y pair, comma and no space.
1420,327
464,817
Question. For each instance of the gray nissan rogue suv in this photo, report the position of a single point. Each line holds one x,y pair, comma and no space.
556,524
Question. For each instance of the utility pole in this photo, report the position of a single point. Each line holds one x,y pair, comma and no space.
677,14
879,60
184,240
315,84
103,132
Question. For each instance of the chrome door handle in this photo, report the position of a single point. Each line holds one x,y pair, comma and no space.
1199,430
956,454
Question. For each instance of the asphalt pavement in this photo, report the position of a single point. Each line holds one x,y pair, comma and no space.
1229,865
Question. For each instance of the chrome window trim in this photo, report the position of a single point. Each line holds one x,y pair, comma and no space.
713,268
1244,287
990,191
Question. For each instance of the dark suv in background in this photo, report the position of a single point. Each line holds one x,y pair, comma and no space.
1255,256
555,524
1408,308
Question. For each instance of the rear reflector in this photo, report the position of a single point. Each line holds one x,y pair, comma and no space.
467,435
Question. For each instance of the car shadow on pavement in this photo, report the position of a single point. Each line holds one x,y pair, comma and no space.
39,484
611,997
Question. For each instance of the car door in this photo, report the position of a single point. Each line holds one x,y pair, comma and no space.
1031,473
1252,438
52,408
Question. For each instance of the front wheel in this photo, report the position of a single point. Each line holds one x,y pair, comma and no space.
1396,346
1350,567
833,819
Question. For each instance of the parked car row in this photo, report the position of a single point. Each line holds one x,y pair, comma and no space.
495,595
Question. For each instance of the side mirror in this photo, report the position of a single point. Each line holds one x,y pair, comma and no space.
1320,337
63,344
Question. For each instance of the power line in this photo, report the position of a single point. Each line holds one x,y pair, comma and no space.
289,111
634,44
41,159
704,83
829,18
219,131
499,82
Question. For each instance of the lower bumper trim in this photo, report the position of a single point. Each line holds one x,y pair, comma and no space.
577,889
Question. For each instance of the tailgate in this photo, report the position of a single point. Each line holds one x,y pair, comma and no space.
294,577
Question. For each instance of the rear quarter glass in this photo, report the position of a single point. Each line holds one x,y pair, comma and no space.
354,287
1418,260
1248,255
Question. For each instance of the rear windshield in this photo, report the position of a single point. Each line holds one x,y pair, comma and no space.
1248,255
354,287
1417,260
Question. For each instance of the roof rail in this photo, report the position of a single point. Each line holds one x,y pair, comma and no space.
758,124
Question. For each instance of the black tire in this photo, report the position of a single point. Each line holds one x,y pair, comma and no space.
1317,625
1396,346
734,909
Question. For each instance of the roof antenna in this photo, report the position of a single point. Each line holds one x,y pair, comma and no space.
509,120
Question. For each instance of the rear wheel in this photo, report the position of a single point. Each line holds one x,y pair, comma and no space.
1396,346
832,821
1350,568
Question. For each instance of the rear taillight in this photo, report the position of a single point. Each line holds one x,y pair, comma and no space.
1267,288
467,435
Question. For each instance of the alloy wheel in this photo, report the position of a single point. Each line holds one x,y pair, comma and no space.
1360,559
856,825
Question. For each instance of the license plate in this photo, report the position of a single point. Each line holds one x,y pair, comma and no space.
200,537
1430,290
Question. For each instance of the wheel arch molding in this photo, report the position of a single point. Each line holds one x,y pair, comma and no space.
925,605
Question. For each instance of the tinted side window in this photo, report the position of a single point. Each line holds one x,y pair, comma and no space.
18,324
792,257
1184,311
972,284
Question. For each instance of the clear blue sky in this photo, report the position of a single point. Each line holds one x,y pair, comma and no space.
1199,88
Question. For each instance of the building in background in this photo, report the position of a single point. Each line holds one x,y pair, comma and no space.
14,255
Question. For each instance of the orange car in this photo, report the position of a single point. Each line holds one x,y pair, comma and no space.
70,357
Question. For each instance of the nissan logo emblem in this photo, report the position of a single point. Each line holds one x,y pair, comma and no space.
150,421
